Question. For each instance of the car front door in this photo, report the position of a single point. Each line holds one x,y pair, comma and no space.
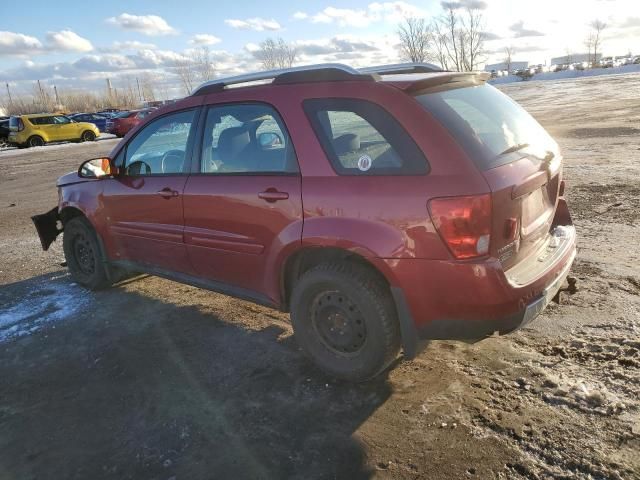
243,203
65,129
144,203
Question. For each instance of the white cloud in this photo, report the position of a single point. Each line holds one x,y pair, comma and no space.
257,24
204,39
300,15
118,46
18,44
147,24
375,12
68,41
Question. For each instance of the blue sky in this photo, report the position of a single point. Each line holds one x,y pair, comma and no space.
77,46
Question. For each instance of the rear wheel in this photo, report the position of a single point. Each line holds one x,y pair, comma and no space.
344,318
83,254
35,141
88,136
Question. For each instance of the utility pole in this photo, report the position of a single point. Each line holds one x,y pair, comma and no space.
9,94
55,89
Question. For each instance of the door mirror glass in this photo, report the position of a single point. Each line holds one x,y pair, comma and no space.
268,140
96,168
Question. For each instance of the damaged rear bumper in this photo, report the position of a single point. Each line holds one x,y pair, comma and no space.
49,226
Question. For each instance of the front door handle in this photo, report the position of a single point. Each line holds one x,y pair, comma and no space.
272,195
167,193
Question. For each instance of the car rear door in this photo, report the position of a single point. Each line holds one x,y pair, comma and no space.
144,203
242,203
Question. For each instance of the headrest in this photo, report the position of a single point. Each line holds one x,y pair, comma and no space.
232,141
349,142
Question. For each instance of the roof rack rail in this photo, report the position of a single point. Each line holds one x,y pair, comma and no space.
398,68
329,71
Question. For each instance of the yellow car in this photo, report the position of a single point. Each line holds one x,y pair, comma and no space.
36,130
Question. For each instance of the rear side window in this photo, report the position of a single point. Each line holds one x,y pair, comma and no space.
41,120
362,138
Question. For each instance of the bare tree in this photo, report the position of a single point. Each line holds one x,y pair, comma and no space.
458,38
415,39
147,85
204,67
276,53
184,67
597,27
588,43
509,52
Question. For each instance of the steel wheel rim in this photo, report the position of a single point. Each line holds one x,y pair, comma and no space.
338,323
84,254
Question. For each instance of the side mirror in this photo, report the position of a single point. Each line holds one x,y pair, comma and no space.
97,168
268,140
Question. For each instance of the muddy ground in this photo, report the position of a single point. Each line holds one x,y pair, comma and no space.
157,380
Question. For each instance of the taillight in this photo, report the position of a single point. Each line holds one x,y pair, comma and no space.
20,125
464,223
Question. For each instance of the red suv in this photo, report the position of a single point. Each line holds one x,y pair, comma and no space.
379,207
122,122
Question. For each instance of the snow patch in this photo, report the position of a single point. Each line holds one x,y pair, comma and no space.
43,304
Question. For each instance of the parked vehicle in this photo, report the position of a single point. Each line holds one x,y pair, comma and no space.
99,121
123,122
433,207
36,130
4,131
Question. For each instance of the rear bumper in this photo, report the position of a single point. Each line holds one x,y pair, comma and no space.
468,301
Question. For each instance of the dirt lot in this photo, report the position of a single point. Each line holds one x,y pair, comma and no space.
156,380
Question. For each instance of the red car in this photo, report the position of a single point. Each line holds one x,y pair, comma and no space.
121,123
379,209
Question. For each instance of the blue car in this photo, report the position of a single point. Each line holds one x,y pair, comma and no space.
99,121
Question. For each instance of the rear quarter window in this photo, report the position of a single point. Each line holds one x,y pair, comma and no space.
361,138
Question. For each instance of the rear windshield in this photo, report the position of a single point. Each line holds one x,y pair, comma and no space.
487,123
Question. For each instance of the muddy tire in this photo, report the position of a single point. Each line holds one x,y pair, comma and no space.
344,318
88,136
83,254
35,141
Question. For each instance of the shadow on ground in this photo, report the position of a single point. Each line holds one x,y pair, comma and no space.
130,387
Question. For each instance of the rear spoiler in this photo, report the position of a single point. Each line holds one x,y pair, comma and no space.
424,83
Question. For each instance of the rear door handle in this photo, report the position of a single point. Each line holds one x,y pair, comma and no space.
167,193
273,195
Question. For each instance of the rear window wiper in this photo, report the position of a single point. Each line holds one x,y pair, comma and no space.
514,148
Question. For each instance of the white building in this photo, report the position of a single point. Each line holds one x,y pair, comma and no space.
575,58
503,66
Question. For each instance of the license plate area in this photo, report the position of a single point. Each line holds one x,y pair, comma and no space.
536,211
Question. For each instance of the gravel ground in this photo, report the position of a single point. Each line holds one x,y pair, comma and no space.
153,379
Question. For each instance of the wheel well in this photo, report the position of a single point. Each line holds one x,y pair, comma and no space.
68,213
307,258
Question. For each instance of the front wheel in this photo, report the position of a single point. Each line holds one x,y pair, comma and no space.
88,136
83,254
344,318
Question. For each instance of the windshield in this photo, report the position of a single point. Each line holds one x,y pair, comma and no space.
122,114
490,126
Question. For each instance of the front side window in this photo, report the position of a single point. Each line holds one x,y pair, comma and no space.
246,138
61,120
160,147
362,138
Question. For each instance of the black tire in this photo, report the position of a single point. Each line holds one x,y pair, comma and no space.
344,318
88,136
35,141
83,254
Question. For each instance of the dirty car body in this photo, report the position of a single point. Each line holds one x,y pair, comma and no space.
433,191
